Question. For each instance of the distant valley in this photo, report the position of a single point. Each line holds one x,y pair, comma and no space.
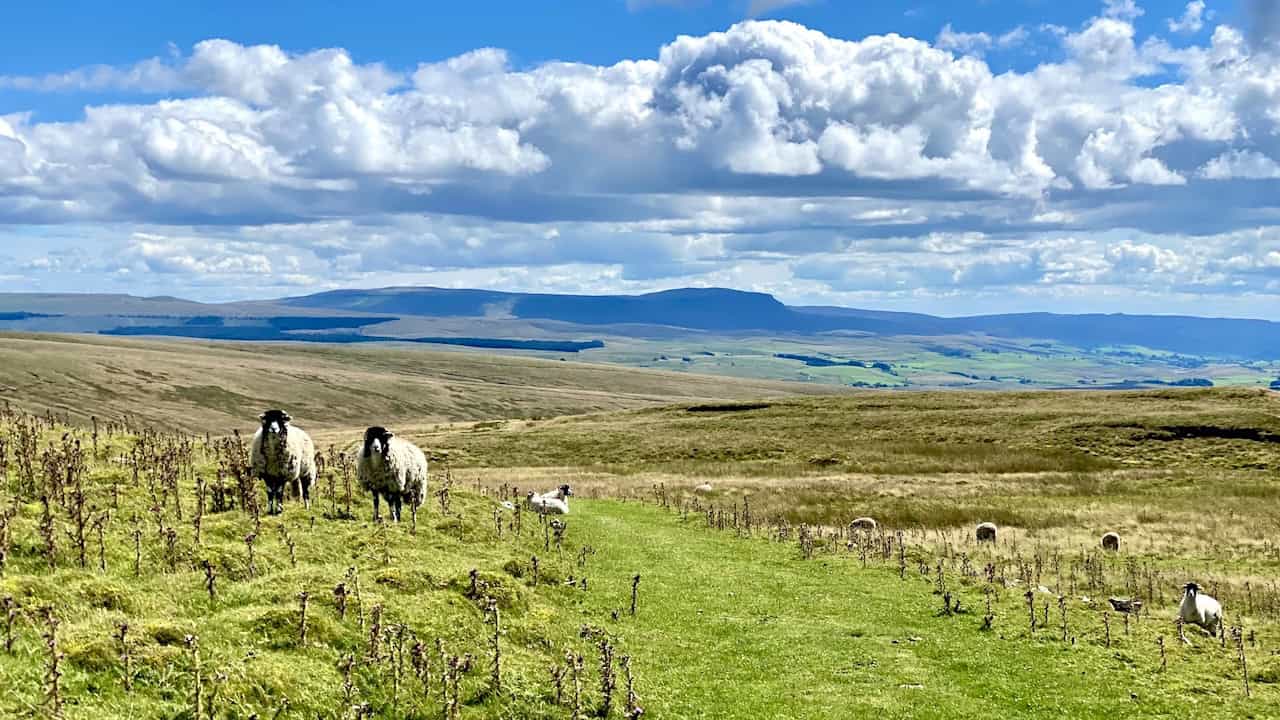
711,331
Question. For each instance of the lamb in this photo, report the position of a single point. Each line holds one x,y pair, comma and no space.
552,503
1200,609
280,454
1111,541
986,532
394,469
864,523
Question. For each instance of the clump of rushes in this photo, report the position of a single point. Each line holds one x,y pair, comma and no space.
137,547
608,679
633,709
576,666
126,655
557,682
197,682
100,530
48,532
290,544
210,579
348,684
10,617
1237,634
421,664
248,543
373,652
53,665
495,617
304,599
340,600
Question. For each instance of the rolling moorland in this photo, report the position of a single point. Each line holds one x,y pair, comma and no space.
754,600
712,331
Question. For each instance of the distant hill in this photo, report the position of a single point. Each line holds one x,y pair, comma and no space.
724,310
358,314
712,309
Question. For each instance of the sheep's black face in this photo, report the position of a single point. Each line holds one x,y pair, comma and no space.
275,421
1191,588
566,490
377,440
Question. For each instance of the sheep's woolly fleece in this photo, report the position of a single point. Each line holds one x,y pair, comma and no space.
403,473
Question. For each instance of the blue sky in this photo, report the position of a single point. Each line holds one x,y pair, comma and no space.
949,157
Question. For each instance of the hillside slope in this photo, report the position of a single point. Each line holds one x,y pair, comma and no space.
213,387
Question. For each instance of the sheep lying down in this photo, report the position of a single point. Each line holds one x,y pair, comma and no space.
392,468
552,503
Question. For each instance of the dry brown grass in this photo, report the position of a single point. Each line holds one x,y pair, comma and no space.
215,387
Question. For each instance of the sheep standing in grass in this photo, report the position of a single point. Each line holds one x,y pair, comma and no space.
986,532
281,454
1111,542
864,523
392,468
703,489
1200,609
552,503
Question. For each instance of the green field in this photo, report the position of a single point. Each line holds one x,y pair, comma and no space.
754,600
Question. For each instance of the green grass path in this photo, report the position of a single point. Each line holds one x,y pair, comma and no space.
730,628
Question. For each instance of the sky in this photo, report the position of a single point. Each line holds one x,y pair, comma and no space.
957,157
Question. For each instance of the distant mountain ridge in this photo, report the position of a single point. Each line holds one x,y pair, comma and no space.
727,310
705,310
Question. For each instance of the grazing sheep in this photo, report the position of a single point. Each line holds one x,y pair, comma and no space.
864,523
703,489
280,454
986,532
392,468
552,503
1200,609
1111,541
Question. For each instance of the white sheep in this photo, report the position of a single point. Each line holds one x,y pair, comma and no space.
280,454
392,468
986,532
1200,609
864,523
1111,541
703,489
552,503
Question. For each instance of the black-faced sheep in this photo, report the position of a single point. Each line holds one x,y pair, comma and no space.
392,468
986,532
280,454
1199,609
1111,542
552,503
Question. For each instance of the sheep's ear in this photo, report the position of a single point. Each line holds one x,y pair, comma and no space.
262,417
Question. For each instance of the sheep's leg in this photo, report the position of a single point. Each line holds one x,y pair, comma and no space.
397,504
377,512
306,494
